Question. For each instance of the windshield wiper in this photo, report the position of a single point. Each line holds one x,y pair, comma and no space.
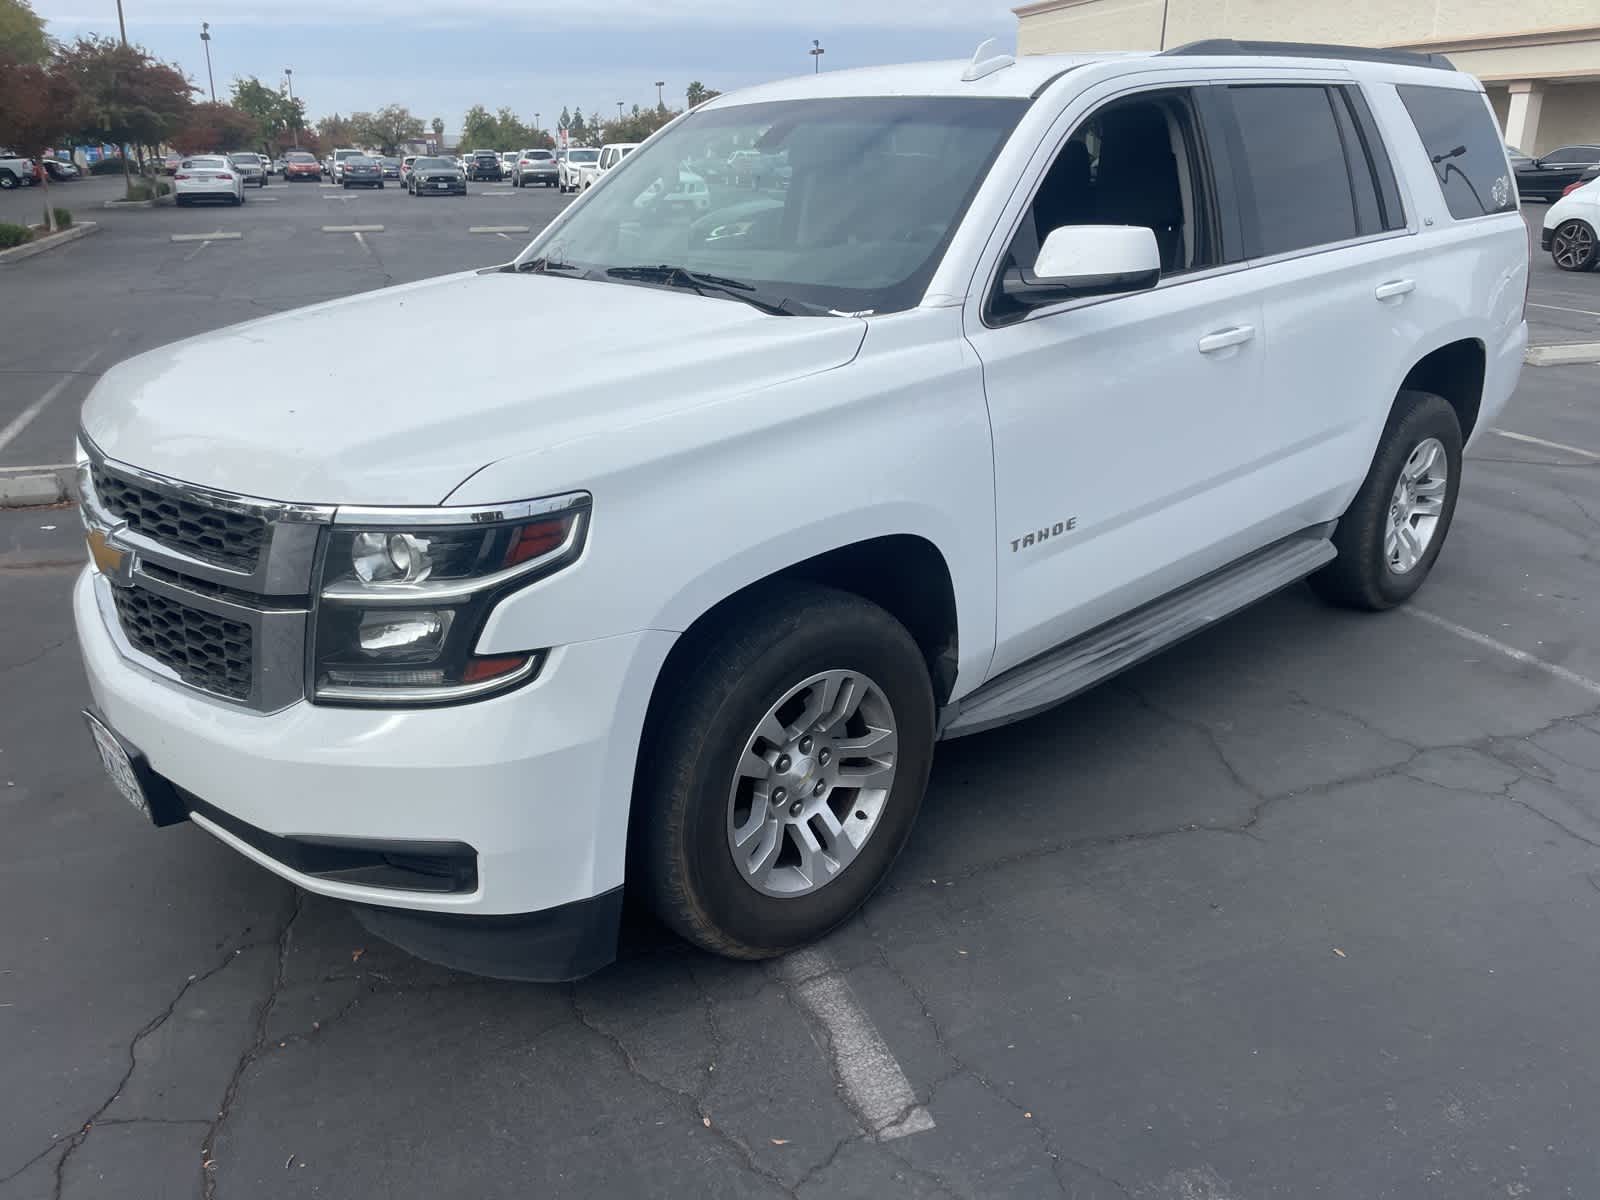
545,266
705,285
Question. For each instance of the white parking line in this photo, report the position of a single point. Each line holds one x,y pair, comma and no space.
873,1083
498,229
189,257
1562,308
25,418
1529,438
219,236
352,229
1582,682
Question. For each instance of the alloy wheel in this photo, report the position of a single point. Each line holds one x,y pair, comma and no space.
1573,246
811,783
1416,506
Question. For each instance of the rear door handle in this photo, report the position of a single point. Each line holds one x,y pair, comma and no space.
1223,339
1395,288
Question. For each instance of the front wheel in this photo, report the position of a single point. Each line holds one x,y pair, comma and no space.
1391,535
783,771
7,181
1574,247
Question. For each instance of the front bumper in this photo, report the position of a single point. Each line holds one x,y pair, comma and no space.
536,783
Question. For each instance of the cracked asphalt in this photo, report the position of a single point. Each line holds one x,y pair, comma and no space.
1306,906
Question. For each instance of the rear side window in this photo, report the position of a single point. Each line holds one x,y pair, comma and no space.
1464,147
1292,156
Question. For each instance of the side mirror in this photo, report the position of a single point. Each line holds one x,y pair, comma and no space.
1088,260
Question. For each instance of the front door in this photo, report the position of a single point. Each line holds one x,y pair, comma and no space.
1125,428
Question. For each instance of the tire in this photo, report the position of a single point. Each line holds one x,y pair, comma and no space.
1363,576
688,793
7,181
345,186
1574,246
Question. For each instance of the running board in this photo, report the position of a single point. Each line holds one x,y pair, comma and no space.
1071,668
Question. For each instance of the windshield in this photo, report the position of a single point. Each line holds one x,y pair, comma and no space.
434,164
583,156
300,158
843,204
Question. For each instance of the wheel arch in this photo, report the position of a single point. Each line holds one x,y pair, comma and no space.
1455,371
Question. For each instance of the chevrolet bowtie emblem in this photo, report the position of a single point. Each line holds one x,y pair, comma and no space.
114,562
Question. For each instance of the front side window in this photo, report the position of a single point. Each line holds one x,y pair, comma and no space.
1572,156
1293,168
1464,148
861,198
1137,161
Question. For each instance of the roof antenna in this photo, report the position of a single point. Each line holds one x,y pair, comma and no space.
981,66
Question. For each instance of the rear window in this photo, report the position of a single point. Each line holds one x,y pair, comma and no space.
542,154
1295,168
1468,157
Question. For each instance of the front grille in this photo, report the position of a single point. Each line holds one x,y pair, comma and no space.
207,651
216,536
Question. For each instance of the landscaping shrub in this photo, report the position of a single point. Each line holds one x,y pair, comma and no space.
14,235
63,218
139,191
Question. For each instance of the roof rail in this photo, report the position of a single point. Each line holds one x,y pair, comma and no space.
1229,47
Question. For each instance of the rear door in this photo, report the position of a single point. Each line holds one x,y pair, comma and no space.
1337,273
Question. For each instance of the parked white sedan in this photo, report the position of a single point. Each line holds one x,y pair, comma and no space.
207,177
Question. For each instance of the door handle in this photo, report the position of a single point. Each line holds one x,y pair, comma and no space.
1395,288
1224,339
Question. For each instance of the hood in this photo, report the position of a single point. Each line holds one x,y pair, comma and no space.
396,396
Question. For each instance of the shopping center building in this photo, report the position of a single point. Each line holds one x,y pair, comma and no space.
1539,59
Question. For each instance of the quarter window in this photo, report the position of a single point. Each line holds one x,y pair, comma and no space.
1293,170
1468,158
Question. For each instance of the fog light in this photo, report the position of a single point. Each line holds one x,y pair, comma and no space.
401,637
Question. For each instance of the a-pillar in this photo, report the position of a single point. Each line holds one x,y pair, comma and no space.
1522,115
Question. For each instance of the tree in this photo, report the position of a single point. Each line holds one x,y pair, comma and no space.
637,126
510,132
387,128
336,132
37,105
566,119
128,95
274,112
579,127
22,36
698,93
437,125
214,127
478,129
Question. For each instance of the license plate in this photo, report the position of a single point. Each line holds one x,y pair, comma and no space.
114,758
442,186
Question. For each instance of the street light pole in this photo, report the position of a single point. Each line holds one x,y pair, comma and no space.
660,83
122,25
288,75
205,36
816,53
619,110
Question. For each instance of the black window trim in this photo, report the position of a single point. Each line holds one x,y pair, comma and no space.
1213,154
1247,204
1391,204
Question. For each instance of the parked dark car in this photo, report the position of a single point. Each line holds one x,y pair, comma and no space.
59,171
252,168
436,176
1546,177
391,167
484,164
359,169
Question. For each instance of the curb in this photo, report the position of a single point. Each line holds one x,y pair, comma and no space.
155,202
28,249
29,487
1570,354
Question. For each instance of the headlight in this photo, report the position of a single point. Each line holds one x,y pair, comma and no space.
403,596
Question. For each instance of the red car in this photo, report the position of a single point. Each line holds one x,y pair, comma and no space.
298,165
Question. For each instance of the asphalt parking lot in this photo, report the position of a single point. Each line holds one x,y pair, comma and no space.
1305,907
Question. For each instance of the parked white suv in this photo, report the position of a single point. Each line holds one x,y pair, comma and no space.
611,154
15,170
1033,369
572,164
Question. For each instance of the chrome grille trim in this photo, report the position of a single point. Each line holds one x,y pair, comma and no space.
281,579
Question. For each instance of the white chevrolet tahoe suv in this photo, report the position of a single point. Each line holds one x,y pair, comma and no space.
1033,369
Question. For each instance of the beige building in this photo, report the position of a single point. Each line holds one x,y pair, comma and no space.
1539,59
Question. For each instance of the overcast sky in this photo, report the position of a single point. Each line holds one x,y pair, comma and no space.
440,58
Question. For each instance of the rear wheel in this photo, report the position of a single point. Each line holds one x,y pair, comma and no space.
1574,246
783,773
7,181
1391,535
